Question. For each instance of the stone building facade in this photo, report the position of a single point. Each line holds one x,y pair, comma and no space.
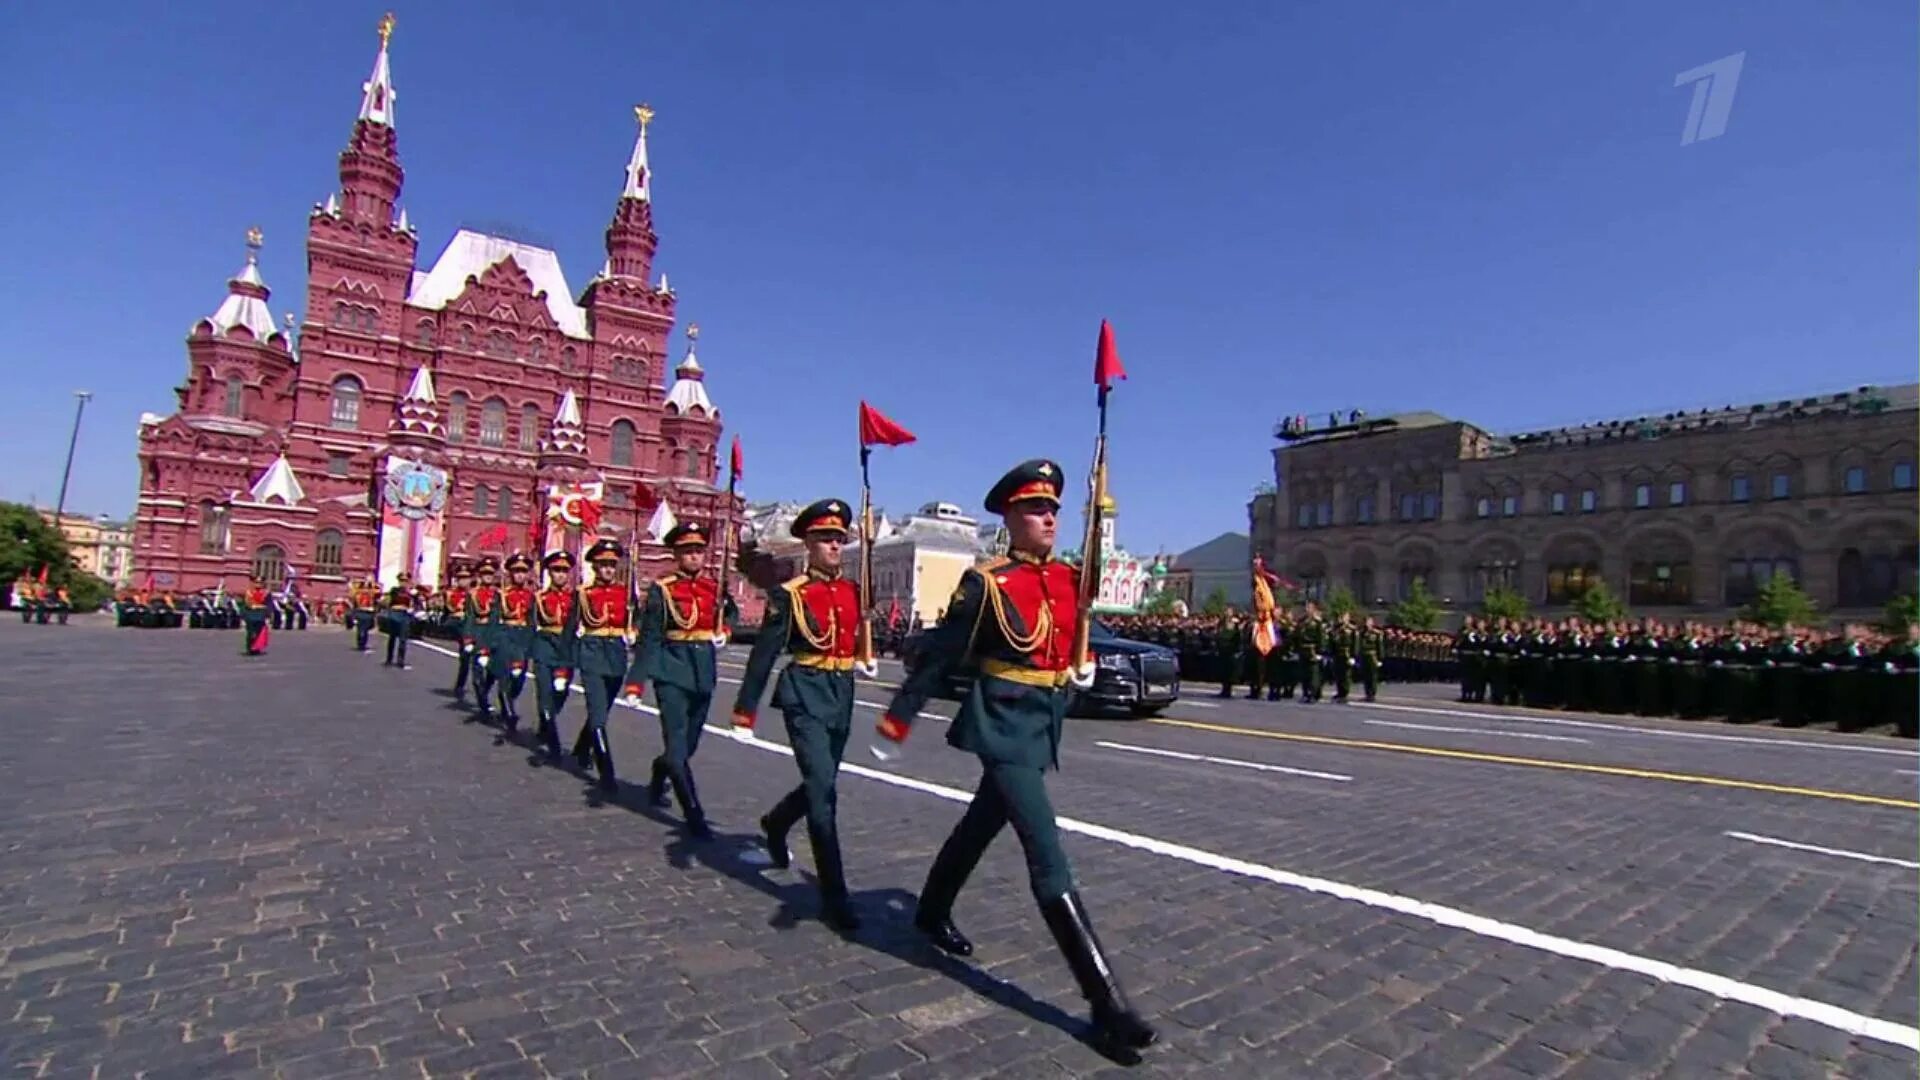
1682,515
283,434
100,546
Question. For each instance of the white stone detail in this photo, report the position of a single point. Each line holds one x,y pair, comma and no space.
376,94
469,254
689,390
278,482
639,178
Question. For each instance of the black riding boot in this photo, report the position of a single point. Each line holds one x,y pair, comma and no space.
657,786
1115,1025
549,735
934,914
836,910
690,809
603,762
583,748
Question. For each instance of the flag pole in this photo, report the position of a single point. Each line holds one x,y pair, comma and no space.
866,556
726,540
1106,368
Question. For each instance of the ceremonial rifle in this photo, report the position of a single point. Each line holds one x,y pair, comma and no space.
1106,368
734,464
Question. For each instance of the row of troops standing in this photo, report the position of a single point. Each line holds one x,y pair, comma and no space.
1013,619
41,603
1307,652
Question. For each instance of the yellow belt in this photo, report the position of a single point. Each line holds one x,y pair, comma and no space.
605,631
1025,676
516,622
823,661
690,635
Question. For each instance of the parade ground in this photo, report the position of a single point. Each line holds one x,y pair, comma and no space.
308,865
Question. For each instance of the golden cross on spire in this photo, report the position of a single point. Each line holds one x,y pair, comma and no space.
386,28
693,331
643,112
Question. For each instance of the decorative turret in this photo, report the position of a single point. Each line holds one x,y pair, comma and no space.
566,441
246,302
691,425
370,173
278,482
688,397
630,237
416,418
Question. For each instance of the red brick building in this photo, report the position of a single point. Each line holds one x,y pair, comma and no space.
282,454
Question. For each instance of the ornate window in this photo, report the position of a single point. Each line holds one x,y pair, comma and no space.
569,359
622,444
529,427
213,528
536,349
236,396
329,550
493,423
1498,572
1677,493
482,501
503,507
1557,503
457,417
270,564
423,332
465,337
1660,572
369,320
1780,486
500,344
1483,507
1642,496
1589,500
1568,580
345,409
1509,505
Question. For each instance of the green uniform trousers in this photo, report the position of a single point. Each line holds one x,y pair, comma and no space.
683,716
818,710
1008,794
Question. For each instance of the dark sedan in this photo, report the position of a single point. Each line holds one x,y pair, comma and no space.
1134,677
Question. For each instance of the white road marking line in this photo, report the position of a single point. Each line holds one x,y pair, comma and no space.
1908,772
1720,986
1197,704
1235,762
1627,729
1474,731
1817,849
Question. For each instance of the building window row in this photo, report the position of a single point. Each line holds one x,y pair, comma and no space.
627,369
355,317
488,502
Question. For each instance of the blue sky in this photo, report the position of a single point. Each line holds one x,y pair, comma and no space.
1481,209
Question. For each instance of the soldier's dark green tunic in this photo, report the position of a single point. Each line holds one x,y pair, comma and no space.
1373,645
676,656
1013,619
555,648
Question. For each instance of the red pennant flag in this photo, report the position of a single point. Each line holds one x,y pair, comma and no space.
43,573
893,612
877,430
1106,359
737,464
642,497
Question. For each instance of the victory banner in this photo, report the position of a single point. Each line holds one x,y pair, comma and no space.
413,522
573,517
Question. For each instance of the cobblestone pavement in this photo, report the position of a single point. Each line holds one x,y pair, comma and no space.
307,865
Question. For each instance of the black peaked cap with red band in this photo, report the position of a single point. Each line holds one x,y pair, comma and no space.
1036,479
827,515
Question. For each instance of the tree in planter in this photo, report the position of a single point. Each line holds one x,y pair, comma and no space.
1341,602
1597,604
1216,601
1780,602
1501,602
1901,612
1417,611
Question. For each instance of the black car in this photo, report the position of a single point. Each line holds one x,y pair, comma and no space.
1134,676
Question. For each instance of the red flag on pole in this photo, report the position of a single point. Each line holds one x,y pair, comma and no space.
1106,359
737,464
877,430
43,572
893,613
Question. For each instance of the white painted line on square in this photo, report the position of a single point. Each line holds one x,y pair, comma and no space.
1774,841
1258,766
1628,729
1475,731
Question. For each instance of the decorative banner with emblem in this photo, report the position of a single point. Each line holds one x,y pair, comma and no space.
573,516
413,521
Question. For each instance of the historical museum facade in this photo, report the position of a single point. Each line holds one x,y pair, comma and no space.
475,405
1683,515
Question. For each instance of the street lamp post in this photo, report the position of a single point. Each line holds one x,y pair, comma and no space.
60,507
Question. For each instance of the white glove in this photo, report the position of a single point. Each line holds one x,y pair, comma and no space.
560,684
466,646
719,640
867,669
1083,678
482,660
631,701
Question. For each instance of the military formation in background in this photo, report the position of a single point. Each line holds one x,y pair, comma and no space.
39,602
1855,677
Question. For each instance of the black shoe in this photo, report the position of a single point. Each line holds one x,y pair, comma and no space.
603,762
583,748
776,840
657,786
1117,1029
548,736
1225,692
690,809
944,935
840,915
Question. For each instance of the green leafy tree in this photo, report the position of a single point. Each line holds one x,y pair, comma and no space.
1418,611
1902,612
87,592
1501,602
1216,601
1341,602
1598,604
1780,602
28,543
1160,603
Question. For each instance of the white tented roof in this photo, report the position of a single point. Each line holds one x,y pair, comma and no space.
469,254
278,482
248,311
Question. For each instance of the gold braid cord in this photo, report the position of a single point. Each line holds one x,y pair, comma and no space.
819,643
1021,644
593,620
680,622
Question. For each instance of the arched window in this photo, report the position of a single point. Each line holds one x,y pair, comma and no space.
423,331
529,427
1754,558
482,501
500,344
369,320
503,507
536,349
696,462
1497,568
457,417
569,360
345,412
466,337
1660,573
213,528
329,549
622,450
1415,565
340,316
236,396
493,423
270,564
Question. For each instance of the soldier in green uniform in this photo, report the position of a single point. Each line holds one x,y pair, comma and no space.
1226,646
1343,643
483,620
816,616
1470,647
1309,648
681,624
1280,667
512,651
555,648
1016,617
396,621
1373,647
455,603
605,619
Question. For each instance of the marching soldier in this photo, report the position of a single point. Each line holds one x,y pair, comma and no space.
483,619
554,650
816,616
681,625
254,613
455,604
365,597
1471,649
1345,643
513,640
1310,643
605,619
1226,647
1016,616
396,621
